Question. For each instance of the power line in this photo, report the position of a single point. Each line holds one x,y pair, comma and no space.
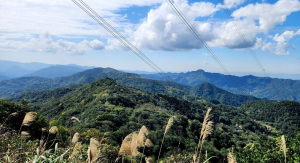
207,48
88,10
116,35
131,47
129,43
248,44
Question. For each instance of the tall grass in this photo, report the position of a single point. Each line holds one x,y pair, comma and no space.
282,144
169,125
93,150
230,157
12,147
206,130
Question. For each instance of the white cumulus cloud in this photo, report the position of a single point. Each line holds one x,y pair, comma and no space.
45,44
163,30
61,18
267,15
282,46
279,44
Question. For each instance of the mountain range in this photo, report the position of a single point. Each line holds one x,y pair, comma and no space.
190,85
261,87
11,69
107,106
56,71
204,91
105,100
112,107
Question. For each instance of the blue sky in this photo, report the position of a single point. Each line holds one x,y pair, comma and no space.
58,32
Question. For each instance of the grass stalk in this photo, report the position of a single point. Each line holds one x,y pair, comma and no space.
282,144
206,130
169,125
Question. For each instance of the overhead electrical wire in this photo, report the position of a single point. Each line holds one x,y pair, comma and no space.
114,34
207,48
129,43
248,44
88,10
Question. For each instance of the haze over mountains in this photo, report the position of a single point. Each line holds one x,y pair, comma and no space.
188,85
206,91
11,69
56,71
257,86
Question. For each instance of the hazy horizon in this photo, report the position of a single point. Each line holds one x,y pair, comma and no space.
272,75
59,32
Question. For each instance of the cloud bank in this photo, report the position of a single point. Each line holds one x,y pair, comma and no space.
44,44
160,30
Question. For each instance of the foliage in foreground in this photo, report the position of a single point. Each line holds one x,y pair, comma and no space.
269,151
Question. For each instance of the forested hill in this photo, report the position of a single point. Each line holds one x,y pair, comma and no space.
104,106
205,91
256,86
283,116
18,85
110,107
89,76
212,93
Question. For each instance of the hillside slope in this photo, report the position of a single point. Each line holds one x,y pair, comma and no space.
16,86
256,86
211,92
283,116
120,110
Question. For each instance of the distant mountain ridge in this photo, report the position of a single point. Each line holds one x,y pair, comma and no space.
134,81
17,86
33,66
256,86
2,77
12,69
16,71
138,72
211,92
56,71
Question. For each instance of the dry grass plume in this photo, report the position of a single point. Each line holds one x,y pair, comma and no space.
76,150
206,130
129,145
73,119
169,125
53,130
142,136
29,119
230,157
75,138
93,150
282,144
